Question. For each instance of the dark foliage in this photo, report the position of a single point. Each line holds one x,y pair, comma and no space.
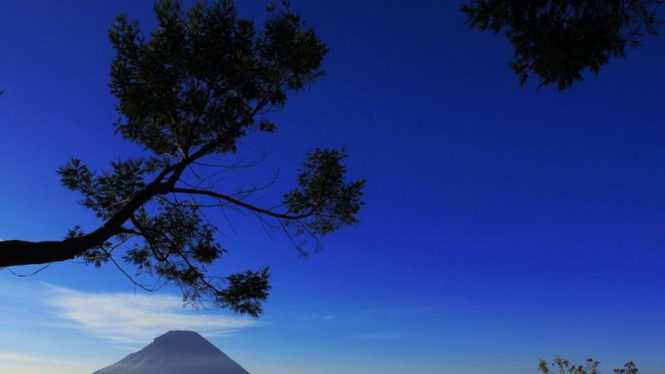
561,366
558,40
190,91
323,193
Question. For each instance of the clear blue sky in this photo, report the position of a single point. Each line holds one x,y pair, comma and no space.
502,225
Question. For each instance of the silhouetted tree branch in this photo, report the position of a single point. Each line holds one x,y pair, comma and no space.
241,203
202,81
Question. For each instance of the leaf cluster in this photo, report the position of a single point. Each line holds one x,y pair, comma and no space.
323,194
562,366
558,40
202,73
107,192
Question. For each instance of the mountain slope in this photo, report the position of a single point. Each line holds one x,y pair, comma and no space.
176,352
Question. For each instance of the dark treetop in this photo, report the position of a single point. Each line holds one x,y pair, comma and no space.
558,40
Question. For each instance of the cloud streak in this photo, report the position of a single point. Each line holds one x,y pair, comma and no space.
12,356
126,318
383,336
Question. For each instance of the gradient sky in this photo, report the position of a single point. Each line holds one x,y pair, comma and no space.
502,225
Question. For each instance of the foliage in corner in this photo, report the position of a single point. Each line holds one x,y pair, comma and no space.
558,40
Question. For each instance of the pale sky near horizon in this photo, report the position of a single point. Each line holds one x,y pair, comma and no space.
502,225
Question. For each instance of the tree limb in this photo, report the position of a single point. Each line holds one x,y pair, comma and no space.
240,203
19,252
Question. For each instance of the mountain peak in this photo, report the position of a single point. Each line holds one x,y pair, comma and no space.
176,352
181,333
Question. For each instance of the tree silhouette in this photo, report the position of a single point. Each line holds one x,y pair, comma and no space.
203,80
562,366
558,40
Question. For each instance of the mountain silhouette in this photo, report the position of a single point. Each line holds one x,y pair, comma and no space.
176,352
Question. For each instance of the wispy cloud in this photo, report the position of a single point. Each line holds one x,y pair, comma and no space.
312,317
26,358
12,362
386,336
12,356
394,312
136,319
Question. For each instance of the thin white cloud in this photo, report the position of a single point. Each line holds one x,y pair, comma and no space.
125,318
20,358
13,363
12,356
381,336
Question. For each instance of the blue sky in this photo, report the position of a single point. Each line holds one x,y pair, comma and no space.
502,225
